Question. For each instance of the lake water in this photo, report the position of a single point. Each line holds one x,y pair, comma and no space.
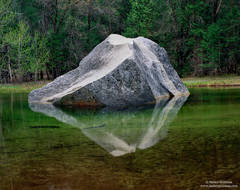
181,143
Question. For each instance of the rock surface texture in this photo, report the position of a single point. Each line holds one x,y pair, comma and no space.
119,72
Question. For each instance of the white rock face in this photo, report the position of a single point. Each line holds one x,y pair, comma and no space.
119,72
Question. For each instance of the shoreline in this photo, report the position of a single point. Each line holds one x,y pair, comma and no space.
212,81
190,82
213,86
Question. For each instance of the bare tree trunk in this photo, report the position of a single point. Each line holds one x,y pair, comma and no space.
41,75
9,65
21,75
216,8
47,72
110,25
36,72
35,76
178,44
56,17
10,72
173,15
89,23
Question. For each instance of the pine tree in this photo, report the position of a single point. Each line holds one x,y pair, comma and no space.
140,18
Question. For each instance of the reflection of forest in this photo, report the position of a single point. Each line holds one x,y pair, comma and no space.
1,128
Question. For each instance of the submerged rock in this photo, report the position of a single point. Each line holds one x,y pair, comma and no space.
119,72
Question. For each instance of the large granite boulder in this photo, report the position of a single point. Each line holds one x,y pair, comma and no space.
119,72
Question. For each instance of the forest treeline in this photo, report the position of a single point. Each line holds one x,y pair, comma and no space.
42,39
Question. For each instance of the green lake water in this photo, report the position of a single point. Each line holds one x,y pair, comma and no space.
181,143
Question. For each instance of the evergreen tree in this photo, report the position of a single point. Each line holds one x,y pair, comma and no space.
140,18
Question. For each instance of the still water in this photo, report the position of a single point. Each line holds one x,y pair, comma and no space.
177,144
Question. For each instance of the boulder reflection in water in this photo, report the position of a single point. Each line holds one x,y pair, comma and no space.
115,133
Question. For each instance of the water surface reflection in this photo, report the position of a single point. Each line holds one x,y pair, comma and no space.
123,139
58,151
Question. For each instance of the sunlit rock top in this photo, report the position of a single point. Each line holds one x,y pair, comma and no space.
119,72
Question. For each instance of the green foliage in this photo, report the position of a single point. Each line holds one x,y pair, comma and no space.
46,38
31,11
203,34
7,16
7,20
140,18
40,54
19,42
58,52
